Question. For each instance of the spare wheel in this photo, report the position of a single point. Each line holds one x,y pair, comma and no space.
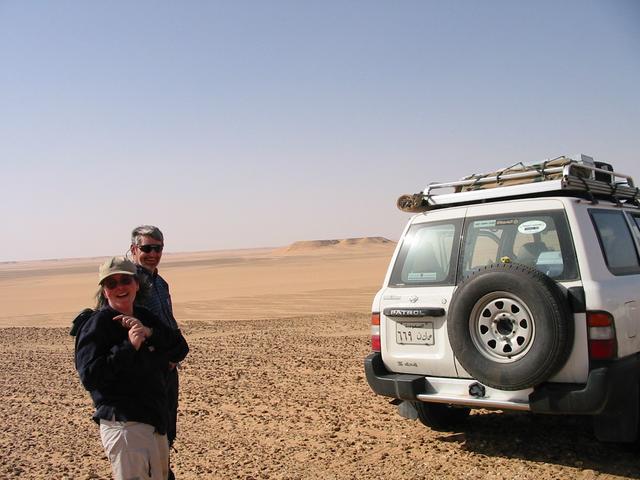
509,326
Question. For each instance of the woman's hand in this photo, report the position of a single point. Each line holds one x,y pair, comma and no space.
137,335
128,322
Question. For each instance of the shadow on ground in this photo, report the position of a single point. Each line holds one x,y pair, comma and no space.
560,440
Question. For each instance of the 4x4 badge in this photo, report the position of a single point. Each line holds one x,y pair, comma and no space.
413,299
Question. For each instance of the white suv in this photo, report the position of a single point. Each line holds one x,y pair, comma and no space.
516,290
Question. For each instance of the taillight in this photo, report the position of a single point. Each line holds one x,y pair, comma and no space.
602,336
375,331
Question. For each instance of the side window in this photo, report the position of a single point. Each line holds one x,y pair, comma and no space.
427,255
635,225
539,240
616,241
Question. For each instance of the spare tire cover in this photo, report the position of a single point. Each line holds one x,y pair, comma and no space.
510,326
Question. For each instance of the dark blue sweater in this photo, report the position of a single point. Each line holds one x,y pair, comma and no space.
126,384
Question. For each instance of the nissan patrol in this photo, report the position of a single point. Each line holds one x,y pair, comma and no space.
515,290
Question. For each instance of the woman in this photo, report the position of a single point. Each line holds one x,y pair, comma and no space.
122,357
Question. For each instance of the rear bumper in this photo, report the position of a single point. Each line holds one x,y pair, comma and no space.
604,385
397,385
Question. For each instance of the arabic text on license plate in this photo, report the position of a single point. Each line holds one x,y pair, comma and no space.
414,333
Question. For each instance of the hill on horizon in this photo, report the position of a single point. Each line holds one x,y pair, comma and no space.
305,246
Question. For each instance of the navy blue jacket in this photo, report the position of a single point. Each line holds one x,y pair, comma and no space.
125,384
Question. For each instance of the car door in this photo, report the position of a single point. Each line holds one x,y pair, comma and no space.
419,285
618,287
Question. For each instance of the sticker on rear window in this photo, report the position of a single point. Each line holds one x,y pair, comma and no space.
417,276
532,226
484,223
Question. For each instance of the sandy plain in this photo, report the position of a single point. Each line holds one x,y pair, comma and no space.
273,386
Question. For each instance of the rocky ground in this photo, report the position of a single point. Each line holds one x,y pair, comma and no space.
282,399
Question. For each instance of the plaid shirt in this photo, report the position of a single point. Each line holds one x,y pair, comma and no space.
158,299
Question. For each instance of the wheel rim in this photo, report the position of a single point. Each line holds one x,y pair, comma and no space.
502,327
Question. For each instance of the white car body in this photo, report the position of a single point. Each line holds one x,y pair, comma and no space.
416,361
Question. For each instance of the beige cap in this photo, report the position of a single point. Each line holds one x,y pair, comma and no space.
116,265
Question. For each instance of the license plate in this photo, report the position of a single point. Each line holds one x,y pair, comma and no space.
414,333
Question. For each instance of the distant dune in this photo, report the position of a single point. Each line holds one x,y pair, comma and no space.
235,284
310,246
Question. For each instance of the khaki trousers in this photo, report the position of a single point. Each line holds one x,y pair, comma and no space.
135,450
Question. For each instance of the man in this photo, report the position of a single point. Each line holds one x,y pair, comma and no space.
147,243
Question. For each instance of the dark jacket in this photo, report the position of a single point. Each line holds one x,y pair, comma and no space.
125,384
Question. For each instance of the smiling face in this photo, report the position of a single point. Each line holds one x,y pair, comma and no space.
147,252
120,291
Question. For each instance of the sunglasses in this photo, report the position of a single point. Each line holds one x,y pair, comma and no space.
112,283
151,248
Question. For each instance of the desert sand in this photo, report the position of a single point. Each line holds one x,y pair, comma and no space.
274,385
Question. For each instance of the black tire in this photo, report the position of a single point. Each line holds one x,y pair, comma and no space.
510,326
439,416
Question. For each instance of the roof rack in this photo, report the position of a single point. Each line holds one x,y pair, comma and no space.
561,176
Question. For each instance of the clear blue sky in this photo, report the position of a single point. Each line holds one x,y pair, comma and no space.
234,124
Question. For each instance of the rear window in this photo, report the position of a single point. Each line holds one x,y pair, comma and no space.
616,241
538,239
427,255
